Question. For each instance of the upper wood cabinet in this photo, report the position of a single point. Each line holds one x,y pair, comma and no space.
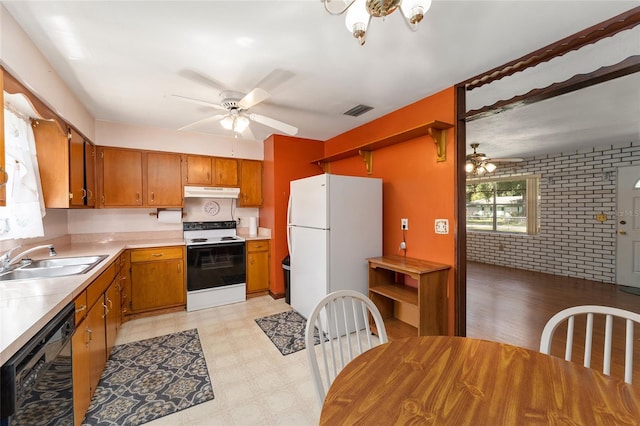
250,183
121,177
163,183
226,171
210,171
134,178
198,170
67,166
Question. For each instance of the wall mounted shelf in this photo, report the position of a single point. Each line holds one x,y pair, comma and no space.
435,129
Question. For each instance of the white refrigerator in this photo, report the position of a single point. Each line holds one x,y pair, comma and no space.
334,225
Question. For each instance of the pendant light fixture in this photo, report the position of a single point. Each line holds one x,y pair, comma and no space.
360,12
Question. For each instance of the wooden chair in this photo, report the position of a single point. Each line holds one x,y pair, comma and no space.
569,314
341,321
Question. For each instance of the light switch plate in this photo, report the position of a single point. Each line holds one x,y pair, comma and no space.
442,226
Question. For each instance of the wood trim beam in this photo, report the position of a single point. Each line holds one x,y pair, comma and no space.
628,66
460,212
608,28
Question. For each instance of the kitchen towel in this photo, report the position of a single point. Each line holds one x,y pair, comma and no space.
253,226
170,216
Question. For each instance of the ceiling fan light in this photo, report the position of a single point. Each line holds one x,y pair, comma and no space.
241,124
490,167
479,170
227,122
469,167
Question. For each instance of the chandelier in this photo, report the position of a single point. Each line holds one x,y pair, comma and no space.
360,12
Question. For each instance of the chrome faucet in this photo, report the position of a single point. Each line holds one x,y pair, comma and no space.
6,260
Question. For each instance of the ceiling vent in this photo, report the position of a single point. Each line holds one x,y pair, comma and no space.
358,110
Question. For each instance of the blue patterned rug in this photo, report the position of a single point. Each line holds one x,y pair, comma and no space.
149,379
286,331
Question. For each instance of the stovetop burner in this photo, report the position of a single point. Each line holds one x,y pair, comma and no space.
228,238
198,240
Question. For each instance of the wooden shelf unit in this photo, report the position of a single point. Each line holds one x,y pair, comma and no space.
409,311
435,129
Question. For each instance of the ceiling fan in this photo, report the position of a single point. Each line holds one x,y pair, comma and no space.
237,116
477,163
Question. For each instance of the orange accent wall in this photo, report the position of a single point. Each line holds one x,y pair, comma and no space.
285,159
415,186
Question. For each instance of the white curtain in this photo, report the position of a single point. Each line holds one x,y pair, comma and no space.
22,216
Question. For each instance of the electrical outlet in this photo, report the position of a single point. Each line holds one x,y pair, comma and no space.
403,246
404,224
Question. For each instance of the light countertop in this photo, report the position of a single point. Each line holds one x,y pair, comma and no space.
27,305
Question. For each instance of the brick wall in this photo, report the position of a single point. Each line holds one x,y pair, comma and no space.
574,187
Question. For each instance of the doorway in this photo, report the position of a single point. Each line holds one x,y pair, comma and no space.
628,223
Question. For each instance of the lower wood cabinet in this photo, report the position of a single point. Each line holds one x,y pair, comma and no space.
257,266
158,279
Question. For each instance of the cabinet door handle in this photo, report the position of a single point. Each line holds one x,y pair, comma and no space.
157,254
88,335
84,193
90,194
153,196
106,310
81,308
137,196
110,304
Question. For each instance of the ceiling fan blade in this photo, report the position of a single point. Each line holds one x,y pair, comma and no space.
274,79
275,124
201,78
506,160
204,120
254,97
198,101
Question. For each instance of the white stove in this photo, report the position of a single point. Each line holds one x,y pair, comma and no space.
216,273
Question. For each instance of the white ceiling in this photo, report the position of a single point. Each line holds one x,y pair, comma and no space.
125,59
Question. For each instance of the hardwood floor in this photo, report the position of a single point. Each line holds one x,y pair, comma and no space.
512,306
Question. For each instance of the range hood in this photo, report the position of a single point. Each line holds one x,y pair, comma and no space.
210,192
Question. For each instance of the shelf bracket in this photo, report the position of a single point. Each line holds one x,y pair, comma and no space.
439,137
367,156
324,165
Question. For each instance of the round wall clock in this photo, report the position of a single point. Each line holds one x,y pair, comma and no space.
211,208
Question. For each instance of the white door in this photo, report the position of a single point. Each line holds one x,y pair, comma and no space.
309,268
308,202
628,248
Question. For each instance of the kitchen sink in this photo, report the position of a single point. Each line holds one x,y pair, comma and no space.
51,268
66,261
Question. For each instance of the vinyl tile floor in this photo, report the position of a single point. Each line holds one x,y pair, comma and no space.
253,383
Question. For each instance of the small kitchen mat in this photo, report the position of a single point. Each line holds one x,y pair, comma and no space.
149,379
286,331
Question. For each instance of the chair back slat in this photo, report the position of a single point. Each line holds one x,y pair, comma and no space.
609,313
342,321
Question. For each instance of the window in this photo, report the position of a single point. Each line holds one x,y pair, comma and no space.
503,205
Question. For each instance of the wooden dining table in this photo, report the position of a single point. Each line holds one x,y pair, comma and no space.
445,380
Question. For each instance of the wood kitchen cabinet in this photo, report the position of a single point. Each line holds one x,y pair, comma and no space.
198,170
210,171
163,181
135,178
250,184
91,338
125,284
226,172
67,166
121,177
158,279
257,266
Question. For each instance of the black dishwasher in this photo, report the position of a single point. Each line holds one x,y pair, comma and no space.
36,384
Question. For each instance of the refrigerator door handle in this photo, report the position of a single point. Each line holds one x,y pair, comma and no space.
289,225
